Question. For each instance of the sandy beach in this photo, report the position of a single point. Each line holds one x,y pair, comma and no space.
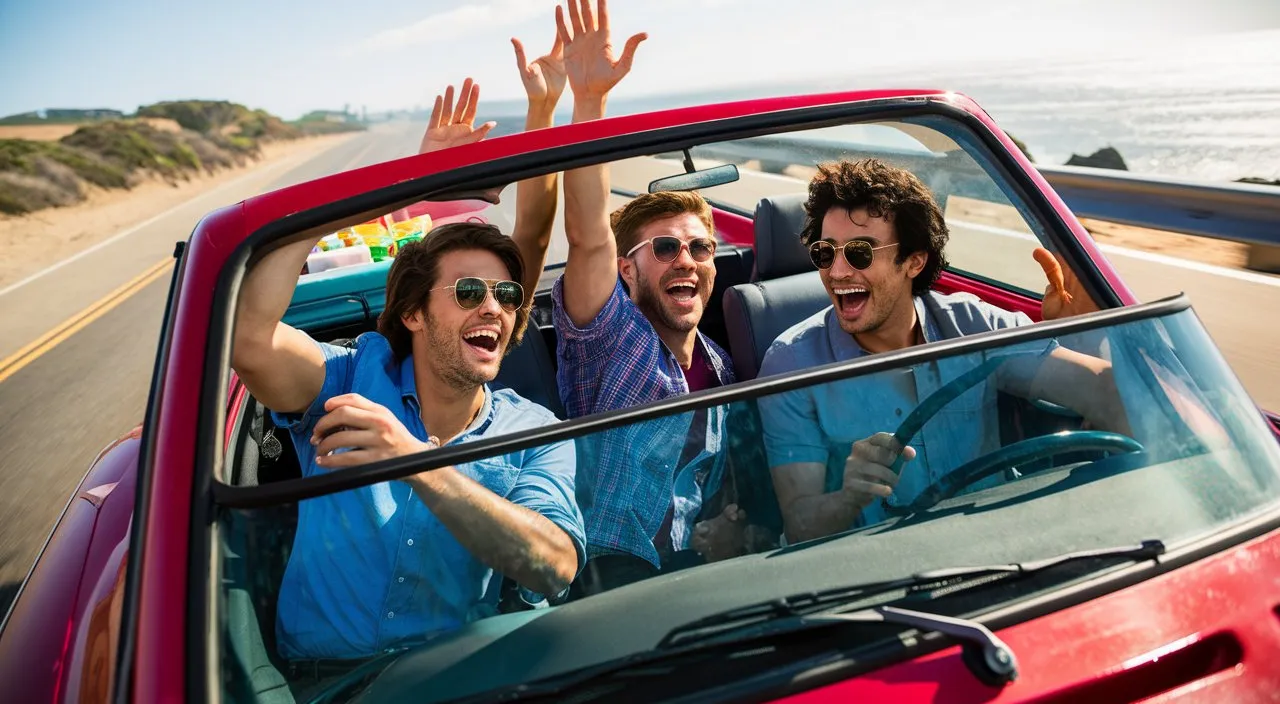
1205,250
36,240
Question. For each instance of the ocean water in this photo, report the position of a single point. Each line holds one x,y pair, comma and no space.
1206,108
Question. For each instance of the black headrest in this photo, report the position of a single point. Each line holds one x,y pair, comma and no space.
778,250
756,313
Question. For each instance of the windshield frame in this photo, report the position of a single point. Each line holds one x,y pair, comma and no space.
209,493
293,490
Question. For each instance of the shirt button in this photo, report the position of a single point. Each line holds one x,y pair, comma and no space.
898,411
391,614
400,579
410,541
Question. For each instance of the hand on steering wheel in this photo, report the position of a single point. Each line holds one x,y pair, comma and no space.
867,470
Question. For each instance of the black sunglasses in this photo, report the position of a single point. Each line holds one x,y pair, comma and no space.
857,252
470,291
666,248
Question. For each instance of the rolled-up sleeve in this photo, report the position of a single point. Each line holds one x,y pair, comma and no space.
339,370
596,338
789,419
546,485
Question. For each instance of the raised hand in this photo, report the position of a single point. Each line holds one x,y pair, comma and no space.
1064,296
543,79
588,54
451,125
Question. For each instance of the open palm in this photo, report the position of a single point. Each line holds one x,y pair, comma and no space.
588,54
453,125
543,79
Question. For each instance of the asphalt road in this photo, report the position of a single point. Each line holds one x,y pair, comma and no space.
89,385
78,395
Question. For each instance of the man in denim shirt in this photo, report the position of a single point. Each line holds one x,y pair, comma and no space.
877,237
642,487
398,562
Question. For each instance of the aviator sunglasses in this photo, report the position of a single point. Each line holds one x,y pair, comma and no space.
857,252
470,292
666,248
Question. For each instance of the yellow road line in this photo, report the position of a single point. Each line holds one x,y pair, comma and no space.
13,363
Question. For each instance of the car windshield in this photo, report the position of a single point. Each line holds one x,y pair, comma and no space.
1195,456
804,463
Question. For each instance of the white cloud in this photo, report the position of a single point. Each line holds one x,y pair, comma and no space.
460,22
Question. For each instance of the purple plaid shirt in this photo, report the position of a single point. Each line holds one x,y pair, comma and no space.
628,477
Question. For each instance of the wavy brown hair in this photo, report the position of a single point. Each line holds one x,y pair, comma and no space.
894,194
416,266
628,220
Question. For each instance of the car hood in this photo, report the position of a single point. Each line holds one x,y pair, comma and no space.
979,528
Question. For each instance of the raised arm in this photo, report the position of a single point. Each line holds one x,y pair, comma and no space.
544,81
280,365
591,272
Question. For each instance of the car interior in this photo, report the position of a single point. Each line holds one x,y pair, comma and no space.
763,286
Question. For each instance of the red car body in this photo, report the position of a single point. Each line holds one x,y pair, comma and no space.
104,614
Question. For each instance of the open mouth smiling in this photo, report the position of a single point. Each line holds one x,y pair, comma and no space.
683,291
482,338
851,298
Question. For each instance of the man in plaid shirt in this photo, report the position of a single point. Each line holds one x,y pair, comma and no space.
641,487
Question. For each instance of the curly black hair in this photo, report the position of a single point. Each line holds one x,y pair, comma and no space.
884,191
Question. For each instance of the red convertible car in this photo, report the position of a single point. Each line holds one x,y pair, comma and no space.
1114,569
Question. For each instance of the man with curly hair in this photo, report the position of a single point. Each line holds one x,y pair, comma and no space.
877,237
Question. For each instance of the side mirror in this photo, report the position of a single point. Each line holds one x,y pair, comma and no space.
715,176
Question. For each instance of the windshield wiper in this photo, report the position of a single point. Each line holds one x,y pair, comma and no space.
940,582
989,658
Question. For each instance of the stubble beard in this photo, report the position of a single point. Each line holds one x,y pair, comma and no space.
446,360
649,300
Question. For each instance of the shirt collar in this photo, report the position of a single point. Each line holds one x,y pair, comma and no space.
712,356
409,390
408,384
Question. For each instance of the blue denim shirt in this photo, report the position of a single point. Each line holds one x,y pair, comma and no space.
821,423
373,567
631,475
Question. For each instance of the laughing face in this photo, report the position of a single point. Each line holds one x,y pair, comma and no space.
866,300
462,348
672,295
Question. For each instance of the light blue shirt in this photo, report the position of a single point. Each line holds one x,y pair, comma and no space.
373,568
821,423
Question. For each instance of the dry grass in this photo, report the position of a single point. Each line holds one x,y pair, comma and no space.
39,133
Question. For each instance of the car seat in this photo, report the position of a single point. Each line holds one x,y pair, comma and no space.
786,289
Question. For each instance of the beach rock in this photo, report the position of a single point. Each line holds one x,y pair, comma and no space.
1259,181
1105,158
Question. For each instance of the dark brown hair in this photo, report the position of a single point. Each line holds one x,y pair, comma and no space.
416,266
888,192
628,220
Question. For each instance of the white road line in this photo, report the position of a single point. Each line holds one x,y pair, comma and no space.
1164,259
133,229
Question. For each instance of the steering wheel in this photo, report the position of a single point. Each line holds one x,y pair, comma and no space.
1020,452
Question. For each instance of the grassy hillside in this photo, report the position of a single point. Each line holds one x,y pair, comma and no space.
120,153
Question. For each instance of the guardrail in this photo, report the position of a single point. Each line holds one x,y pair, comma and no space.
1239,212
1236,211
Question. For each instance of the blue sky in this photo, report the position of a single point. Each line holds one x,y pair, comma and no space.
293,57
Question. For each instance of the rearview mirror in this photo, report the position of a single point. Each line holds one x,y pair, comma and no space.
715,176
